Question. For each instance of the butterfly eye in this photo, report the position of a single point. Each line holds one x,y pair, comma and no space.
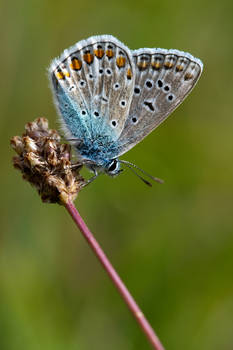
113,166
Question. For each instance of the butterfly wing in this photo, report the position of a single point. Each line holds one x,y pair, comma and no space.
93,85
163,80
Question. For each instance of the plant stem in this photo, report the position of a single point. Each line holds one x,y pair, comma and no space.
132,305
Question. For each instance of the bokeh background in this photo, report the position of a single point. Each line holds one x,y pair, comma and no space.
171,244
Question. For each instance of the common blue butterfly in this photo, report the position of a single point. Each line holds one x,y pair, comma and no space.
110,97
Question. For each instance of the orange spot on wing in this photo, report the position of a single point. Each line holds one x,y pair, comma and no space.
188,76
156,65
75,64
142,65
99,53
88,57
109,53
179,68
168,65
129,74
60,75
67,74
120,61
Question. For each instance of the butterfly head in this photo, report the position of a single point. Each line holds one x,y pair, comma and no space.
111,167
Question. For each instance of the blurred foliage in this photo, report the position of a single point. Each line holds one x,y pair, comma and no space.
171,244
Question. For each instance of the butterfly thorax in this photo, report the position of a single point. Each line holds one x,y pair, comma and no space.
98,154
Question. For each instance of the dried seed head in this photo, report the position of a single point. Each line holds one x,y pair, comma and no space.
17,144
46,163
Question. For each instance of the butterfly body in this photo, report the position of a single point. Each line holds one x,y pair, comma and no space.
110,98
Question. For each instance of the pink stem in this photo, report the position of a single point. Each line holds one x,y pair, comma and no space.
146,327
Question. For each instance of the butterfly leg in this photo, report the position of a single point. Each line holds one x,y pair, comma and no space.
87,182
76,166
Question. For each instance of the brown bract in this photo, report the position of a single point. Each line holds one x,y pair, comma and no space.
46,163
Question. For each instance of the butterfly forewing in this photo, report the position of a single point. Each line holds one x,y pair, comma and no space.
95,78
163,79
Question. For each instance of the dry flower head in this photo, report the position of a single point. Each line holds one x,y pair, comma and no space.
46,163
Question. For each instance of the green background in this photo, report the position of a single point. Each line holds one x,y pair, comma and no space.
172,244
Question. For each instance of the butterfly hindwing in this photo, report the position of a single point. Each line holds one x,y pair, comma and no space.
95,79
163,79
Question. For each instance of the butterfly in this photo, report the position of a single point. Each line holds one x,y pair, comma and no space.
110,97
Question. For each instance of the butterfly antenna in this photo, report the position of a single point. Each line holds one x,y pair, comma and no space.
140,177
130,165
